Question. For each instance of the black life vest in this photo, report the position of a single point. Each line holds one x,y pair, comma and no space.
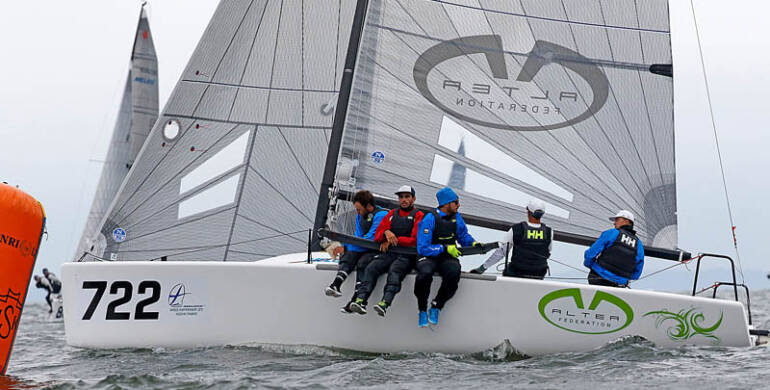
531,248
366,221
445,231
402,226
620,257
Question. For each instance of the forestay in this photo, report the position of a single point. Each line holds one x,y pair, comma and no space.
138,112
509,100
231,170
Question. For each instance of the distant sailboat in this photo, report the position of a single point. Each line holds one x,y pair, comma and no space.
138,113
568,102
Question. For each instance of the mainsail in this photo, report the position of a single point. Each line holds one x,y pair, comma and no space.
570,102
138,112
232,169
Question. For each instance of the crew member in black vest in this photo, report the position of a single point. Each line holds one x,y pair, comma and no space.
355,257
437,238
397,229
530,241
617,256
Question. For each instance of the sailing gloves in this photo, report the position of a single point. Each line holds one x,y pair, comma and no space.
453,251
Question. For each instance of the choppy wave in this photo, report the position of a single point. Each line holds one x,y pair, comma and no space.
41,360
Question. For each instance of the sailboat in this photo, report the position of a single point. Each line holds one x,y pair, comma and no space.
138,113
288,107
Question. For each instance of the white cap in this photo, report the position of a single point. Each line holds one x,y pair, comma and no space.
405,189
625,214
536,204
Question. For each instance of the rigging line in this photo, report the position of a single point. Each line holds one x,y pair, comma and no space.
683,262
568,266
564,116
716,140
544,152
599,124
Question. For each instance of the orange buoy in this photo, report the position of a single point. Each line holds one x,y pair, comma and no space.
22,221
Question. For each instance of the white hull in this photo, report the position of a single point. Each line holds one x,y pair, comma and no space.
281,301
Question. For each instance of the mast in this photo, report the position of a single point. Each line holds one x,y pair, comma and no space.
340,114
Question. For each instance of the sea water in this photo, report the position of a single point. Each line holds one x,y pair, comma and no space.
41,359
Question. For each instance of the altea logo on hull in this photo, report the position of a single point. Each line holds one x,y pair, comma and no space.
605,313
463,88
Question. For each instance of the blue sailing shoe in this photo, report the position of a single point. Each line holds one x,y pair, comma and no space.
433,315
422,322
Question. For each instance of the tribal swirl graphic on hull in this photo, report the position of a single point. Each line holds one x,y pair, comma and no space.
685,324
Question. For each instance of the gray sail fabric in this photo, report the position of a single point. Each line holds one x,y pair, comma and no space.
550,99
138,113
232,169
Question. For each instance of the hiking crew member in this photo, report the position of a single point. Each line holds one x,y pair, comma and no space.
531,243
398,228
617,256
53,280
43,283
437,238
368,217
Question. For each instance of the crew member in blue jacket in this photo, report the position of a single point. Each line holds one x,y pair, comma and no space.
437,238
368,218
617,256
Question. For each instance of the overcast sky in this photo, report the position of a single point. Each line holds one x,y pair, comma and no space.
64,65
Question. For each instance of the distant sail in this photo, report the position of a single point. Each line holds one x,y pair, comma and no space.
550,99
138,112
232,169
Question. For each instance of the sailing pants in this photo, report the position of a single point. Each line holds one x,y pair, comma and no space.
352,261
449,269
596,279
397,266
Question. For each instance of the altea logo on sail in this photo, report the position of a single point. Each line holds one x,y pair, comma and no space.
565,309
455,77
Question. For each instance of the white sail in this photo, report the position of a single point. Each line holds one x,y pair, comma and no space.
232,169
138,112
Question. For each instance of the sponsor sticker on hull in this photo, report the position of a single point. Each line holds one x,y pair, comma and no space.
566,309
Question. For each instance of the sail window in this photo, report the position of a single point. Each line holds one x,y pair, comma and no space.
486,187
226,159
171,130
453,135
220,194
